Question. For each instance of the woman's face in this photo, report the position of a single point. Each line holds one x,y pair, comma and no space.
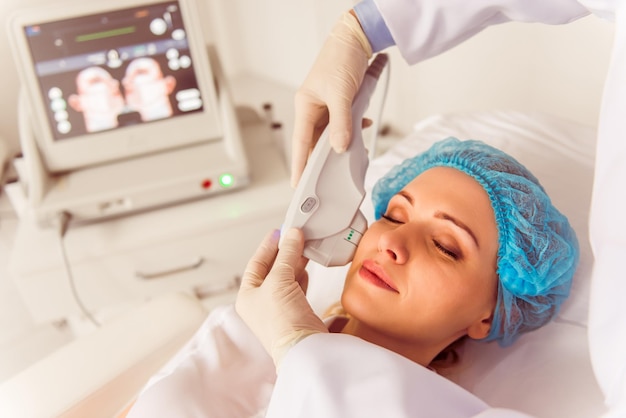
425,274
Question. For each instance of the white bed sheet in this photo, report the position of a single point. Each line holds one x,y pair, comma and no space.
546,373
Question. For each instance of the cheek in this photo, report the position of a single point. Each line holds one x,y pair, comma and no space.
473,296
373,234
490,291
368,246
450,294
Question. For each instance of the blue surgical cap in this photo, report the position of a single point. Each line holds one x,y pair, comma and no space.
537,249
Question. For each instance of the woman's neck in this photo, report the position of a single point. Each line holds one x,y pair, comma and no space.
421,354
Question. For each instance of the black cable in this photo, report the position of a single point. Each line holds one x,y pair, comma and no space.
64,221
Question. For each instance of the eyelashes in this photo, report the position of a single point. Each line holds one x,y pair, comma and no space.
446,251
390,219
442,249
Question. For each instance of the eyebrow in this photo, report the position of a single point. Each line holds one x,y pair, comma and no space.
442,215
445,216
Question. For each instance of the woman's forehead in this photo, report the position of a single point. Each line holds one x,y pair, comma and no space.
446,182
451,191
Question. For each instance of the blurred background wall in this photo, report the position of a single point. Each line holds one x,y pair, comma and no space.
557,69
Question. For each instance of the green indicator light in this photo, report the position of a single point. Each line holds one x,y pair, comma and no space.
226,180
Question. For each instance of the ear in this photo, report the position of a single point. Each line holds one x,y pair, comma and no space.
480,329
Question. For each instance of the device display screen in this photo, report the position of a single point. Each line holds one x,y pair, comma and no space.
109,70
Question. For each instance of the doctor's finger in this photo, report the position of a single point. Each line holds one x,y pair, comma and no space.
302,276
340,122
289,257
303,280
260,264
310,115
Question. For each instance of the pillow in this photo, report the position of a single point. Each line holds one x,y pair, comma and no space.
546,372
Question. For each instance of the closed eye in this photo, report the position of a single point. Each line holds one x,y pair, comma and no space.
390,219
445,251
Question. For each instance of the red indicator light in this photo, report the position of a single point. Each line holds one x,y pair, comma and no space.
206,184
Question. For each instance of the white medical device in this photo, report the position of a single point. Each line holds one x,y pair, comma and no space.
326,202
122,108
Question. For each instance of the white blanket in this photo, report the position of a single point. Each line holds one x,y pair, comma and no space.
340,376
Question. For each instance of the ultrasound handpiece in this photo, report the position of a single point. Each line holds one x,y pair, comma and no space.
326,203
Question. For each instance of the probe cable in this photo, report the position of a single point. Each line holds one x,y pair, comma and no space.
63,226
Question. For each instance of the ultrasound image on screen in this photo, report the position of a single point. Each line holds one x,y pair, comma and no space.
106,71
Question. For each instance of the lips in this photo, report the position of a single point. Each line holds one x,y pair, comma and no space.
374,274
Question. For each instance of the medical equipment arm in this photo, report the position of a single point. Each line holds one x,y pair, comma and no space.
326,202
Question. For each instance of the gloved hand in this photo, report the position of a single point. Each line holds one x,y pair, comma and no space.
326,95
272,300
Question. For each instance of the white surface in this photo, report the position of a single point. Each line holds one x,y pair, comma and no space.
22,342
97,375
607,316
547,373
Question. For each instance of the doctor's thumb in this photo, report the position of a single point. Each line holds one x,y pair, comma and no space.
291,244
289,256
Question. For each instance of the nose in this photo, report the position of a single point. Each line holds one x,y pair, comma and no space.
393,244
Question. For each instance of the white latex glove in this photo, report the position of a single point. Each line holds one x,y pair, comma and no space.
326,95
272,300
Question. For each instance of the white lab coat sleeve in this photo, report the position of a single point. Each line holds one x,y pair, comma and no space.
424,28
607,315
222,372
337,375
